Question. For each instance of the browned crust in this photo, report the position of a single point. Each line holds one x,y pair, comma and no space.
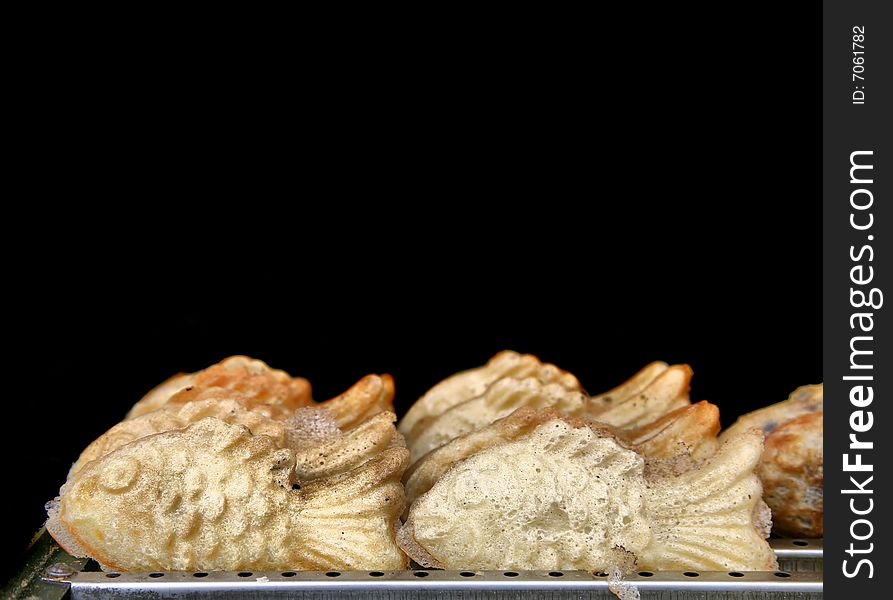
425,472
688,429
632,386
658,398
407,542
267,388
506,363
516,424
248,380
804,400
371,395
792,472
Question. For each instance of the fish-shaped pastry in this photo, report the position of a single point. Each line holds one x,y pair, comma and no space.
804,400
792,471
674,442
212,496
655,391
501,398
371,395
252,380
666,392
472,383
176,416
321,448
342,451
631,386
272,392
568,495
792,467
689,430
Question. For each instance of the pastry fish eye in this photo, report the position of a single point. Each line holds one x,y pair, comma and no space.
119,474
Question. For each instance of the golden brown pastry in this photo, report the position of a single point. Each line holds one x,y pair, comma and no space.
804,400
362,412
472,383
176,416
650,394
683,438
792,472
371,395
689,430
271,392
425,472
630,387
250,381
665,393
212,496
336,453
567,495
500,399
792,466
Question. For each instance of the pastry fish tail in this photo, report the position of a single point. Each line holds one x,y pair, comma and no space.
371,395
349,520
712,517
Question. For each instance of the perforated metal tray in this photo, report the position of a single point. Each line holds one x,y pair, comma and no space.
444,585
50,573
799,554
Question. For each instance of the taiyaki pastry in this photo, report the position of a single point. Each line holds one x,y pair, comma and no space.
674,442
666,392
321,447
371,395
472,383
653,392
792,472
501,398
213,496
569,495
251,380
631,386
804,400
336,452
272,392
792,466
688,430
176,416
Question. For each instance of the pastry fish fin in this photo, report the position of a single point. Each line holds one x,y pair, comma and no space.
710,517
351,518
371,395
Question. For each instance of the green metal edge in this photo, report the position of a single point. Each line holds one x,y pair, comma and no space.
30,582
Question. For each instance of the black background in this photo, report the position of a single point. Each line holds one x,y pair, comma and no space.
596,193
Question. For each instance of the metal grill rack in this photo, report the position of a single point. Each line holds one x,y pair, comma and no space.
53,574
799,554
443,585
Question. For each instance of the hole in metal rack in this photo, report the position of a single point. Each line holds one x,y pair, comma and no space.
201,574
601,574
421,573
156,575
510,574
467,574
333,574
646,573
246,574
112,575
556,574
376,574
691,574
800,543
782,574
288,573
736,574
